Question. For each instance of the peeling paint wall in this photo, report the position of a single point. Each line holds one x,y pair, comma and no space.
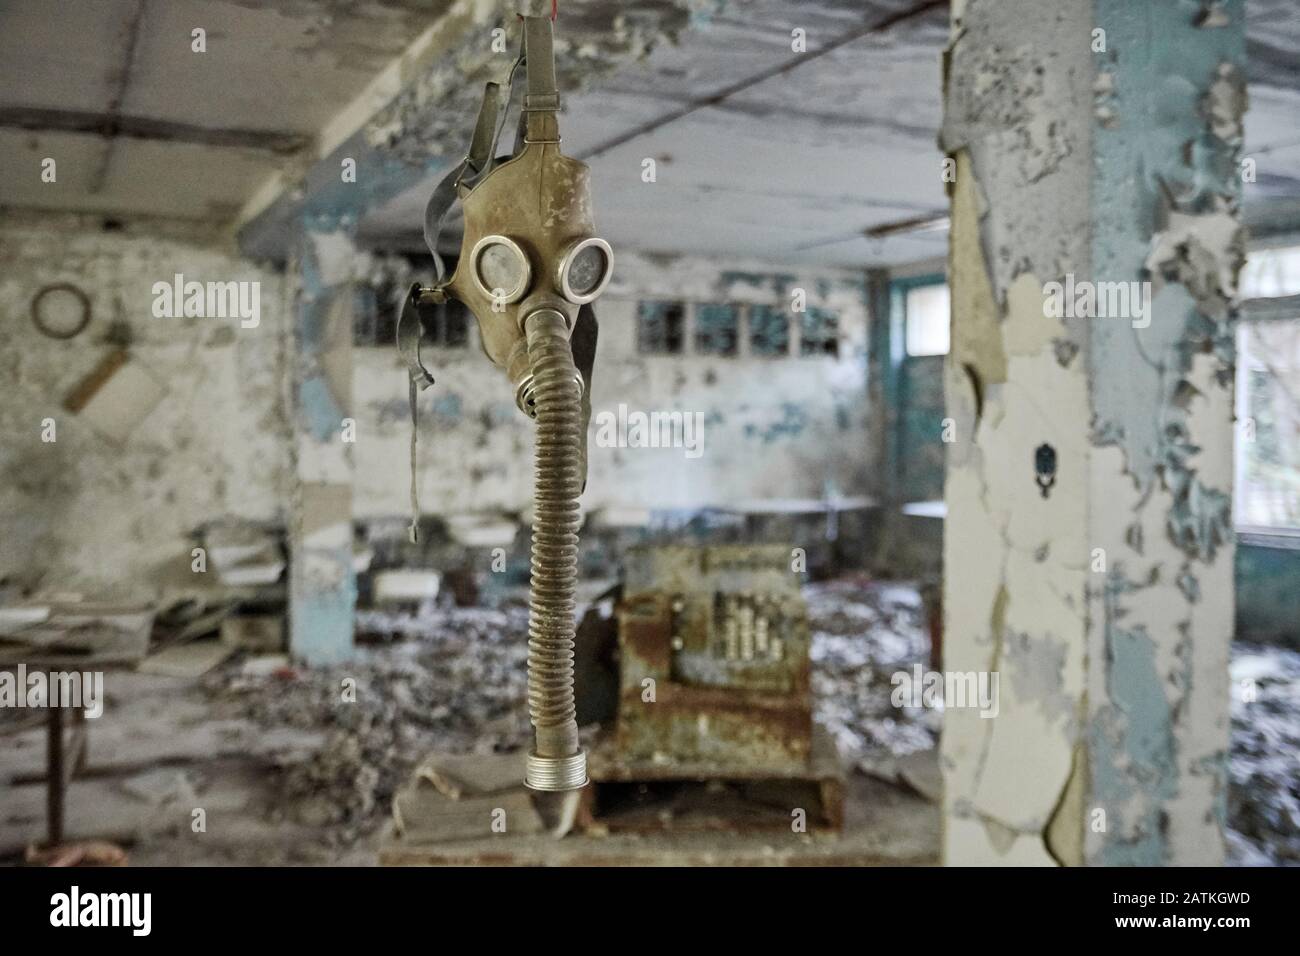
322,579
243,433
774,428
82,513
1106,602
1160,626
1017,124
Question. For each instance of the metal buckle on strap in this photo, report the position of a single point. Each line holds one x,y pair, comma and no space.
539,102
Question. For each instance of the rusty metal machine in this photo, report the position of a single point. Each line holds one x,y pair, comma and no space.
721,634
713,725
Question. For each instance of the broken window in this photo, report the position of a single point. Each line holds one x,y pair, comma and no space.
716,328
819,333
660,327
769,330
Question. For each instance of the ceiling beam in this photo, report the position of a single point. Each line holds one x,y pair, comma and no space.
313,186
146,128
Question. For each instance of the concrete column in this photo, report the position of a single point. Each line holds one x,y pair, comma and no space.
1089,550
322,583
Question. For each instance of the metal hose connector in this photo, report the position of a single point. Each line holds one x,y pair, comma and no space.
557,762
525,398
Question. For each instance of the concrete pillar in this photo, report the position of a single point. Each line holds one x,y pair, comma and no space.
1089,550
322,583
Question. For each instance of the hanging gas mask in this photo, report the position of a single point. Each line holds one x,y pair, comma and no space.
529,268
528,244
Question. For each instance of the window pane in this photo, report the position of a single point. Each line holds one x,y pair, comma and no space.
819,333
1268,433
716,327
661,327
927,309
769,331
1270,273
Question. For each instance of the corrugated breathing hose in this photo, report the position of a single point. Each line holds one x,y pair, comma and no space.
557,761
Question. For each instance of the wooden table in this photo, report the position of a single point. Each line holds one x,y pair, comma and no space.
75,637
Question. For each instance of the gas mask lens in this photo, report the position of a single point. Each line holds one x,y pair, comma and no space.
501,269
585,270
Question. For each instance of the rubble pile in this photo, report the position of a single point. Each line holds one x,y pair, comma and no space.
459,685
1263,770
863,632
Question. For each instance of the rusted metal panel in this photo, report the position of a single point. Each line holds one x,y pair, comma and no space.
714,669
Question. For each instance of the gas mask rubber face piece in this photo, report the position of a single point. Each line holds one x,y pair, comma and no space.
529,242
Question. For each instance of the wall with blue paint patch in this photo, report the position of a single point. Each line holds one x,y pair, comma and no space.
794,427
1095,139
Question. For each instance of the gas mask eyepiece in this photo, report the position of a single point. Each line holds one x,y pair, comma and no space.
584,270
500,269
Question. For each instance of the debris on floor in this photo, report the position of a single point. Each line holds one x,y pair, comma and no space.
244,554
451,681
473,775
457,685
457,797
863,632
1263,767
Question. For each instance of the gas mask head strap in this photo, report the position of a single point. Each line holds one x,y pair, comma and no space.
542,99
537,120
538,124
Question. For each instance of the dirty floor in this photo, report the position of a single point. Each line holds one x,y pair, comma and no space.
260,763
